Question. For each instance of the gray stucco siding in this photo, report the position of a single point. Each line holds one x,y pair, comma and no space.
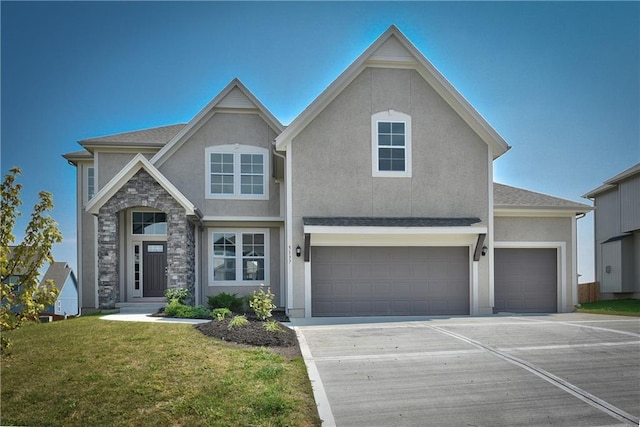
186,168
532,229
109,164
332,171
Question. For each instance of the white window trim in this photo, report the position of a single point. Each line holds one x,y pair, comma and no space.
86,182
236,150
390,116
238,232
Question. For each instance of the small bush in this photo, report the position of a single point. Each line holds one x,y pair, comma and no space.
238,321
175,309
225,300
177,294
262,303
221,313
201,312
272,326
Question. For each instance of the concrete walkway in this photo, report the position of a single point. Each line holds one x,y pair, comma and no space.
133,316
560,369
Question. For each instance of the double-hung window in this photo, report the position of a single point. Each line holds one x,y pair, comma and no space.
391,144
237,172
239,256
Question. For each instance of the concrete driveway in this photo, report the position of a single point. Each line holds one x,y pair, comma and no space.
560,369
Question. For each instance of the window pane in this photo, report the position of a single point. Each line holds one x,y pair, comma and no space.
384,127
397,128
253,269
384,165
384,153
384,139
397,165
224,269
397,140
137,217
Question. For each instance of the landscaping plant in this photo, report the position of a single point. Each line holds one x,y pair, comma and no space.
221,313
176,294
22,297
237,322
262,303
226,300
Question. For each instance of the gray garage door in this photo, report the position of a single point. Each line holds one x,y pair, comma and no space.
526,280
379,281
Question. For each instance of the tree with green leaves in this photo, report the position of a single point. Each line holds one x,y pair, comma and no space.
21,295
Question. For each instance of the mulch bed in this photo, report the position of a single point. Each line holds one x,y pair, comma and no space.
283,342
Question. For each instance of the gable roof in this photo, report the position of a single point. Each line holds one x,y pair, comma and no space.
59,272
127,172
507,197
153,137
614,181
235,96
393,49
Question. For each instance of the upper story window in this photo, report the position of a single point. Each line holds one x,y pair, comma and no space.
237,171
149,223
91,182
391,144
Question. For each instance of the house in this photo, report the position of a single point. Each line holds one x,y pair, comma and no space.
617,234
378,199
64,280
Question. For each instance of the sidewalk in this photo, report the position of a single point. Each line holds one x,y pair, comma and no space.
147,317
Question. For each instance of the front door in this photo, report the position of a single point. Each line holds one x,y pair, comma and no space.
154,269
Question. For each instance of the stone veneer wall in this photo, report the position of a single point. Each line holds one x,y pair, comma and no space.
143,191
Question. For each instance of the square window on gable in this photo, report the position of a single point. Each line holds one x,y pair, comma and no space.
391,144
237,172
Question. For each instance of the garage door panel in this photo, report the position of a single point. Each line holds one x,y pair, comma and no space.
390,281
526,280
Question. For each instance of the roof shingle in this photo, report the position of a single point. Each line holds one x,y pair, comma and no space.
505,196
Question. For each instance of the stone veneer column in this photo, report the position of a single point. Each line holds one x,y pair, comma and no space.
143,191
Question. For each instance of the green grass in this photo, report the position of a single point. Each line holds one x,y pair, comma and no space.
624,307
89,371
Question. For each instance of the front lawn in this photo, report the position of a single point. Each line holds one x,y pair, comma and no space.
624,307
88,371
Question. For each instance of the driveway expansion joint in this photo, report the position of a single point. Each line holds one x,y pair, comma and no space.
579,393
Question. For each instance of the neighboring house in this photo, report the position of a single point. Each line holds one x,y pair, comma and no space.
378,199
617,234
63,278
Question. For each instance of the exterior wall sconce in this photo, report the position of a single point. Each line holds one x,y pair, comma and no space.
484,250
298,251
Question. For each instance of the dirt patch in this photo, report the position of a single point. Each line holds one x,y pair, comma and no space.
283,342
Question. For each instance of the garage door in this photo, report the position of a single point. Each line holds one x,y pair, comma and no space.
382,281
526,280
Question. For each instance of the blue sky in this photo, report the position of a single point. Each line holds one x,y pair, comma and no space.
560,81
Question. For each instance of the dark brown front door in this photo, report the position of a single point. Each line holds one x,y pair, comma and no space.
154,266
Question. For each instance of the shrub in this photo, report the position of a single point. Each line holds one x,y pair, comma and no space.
272,326
238,321
175,309
178,294
262,303
221,313
225,300
201,312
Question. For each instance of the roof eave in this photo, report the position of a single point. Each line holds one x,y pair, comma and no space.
125,174
426,69
165,152
541,211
